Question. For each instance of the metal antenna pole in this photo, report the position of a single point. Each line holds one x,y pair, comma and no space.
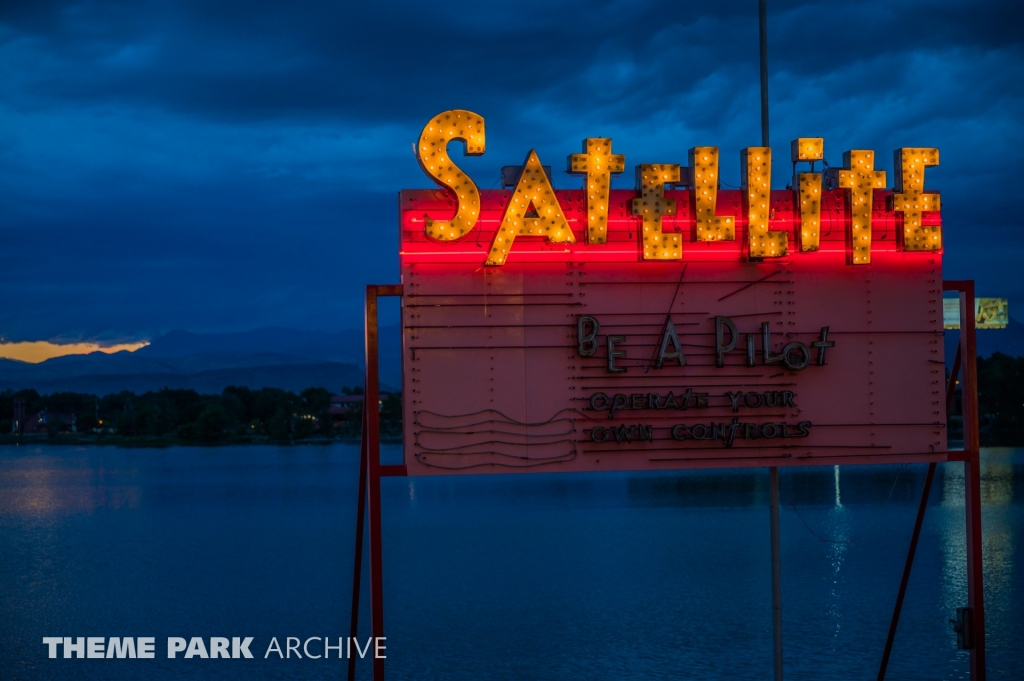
773,472
763,12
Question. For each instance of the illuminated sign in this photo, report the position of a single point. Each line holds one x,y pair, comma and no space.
851,210
992,313
989,313
432,152
674,325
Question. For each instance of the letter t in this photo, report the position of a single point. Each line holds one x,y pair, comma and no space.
52,642
861,178
598,162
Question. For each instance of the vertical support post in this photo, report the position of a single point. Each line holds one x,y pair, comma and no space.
972,480
371,413
357,570
773,472
773,476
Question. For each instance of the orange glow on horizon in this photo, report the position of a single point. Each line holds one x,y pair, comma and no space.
34,352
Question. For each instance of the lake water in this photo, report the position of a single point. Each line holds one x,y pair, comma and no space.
541,577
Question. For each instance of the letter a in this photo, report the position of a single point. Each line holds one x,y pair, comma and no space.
274,647
545,220
670,336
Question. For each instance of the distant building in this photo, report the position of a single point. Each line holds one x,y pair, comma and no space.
344,404
343,408
18,418
43,422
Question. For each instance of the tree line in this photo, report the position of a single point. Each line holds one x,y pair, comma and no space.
237,414
1001,400
240,414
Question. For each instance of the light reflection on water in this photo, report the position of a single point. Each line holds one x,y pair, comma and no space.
40,486
838,521
534,577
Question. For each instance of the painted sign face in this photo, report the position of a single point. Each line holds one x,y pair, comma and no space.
600,329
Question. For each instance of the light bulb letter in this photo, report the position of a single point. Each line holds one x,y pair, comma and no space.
911,199
808,190
860,178
756,165
597,163
704,171
432,153
652,205
533,210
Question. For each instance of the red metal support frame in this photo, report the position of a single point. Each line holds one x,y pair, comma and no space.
372,417
922,507
965,358
972,475
357,569
370,473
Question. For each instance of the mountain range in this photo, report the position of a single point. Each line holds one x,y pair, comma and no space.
262,358
273,358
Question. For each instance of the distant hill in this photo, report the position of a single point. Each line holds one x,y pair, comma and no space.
294,377
262,358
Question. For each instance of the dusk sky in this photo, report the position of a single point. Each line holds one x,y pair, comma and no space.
224,166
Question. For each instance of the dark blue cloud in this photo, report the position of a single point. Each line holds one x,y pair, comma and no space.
226,165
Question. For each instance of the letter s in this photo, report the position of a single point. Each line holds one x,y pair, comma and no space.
432,153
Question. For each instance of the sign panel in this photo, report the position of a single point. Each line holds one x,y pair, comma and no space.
992,313
989,313
603,329
570,359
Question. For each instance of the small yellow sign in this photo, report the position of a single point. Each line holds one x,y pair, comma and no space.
989,313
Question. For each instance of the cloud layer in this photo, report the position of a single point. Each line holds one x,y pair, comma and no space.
226,165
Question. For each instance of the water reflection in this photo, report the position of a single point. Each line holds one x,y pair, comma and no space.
839,527
653,575
1002,474
839,496
818,486
998,478
41,485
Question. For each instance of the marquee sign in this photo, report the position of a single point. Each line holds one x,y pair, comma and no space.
675,325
